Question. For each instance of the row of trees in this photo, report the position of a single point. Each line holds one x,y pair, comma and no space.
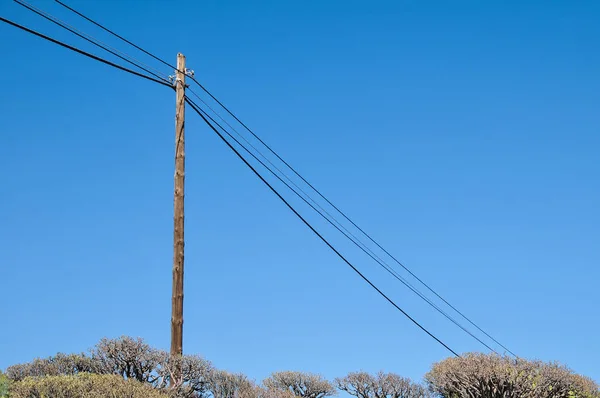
131,368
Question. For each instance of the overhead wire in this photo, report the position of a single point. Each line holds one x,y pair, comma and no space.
344,231
115,34
353,223
91,39
82,52
313,229
295,172
300,176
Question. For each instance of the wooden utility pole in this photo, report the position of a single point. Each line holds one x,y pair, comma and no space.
178,217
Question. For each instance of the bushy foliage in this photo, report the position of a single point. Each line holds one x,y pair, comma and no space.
301,384
4,385
195,375
381,385
61,364
494,376
130,368
263,392
83,385
128,358
222,384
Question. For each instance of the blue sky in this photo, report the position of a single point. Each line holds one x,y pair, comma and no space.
462,135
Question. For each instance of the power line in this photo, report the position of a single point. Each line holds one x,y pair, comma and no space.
88,38
241,157
116,35
200,112
300,176
350,220
77,50
345,232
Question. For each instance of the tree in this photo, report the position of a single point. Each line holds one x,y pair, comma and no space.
223,384
494,376
60,364
301,384
4,385
382,385
129,358
83,385
134,359
263,392
195,375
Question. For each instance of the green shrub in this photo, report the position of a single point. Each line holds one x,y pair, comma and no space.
83,385
3,385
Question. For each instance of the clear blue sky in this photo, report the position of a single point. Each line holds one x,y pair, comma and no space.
463,135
